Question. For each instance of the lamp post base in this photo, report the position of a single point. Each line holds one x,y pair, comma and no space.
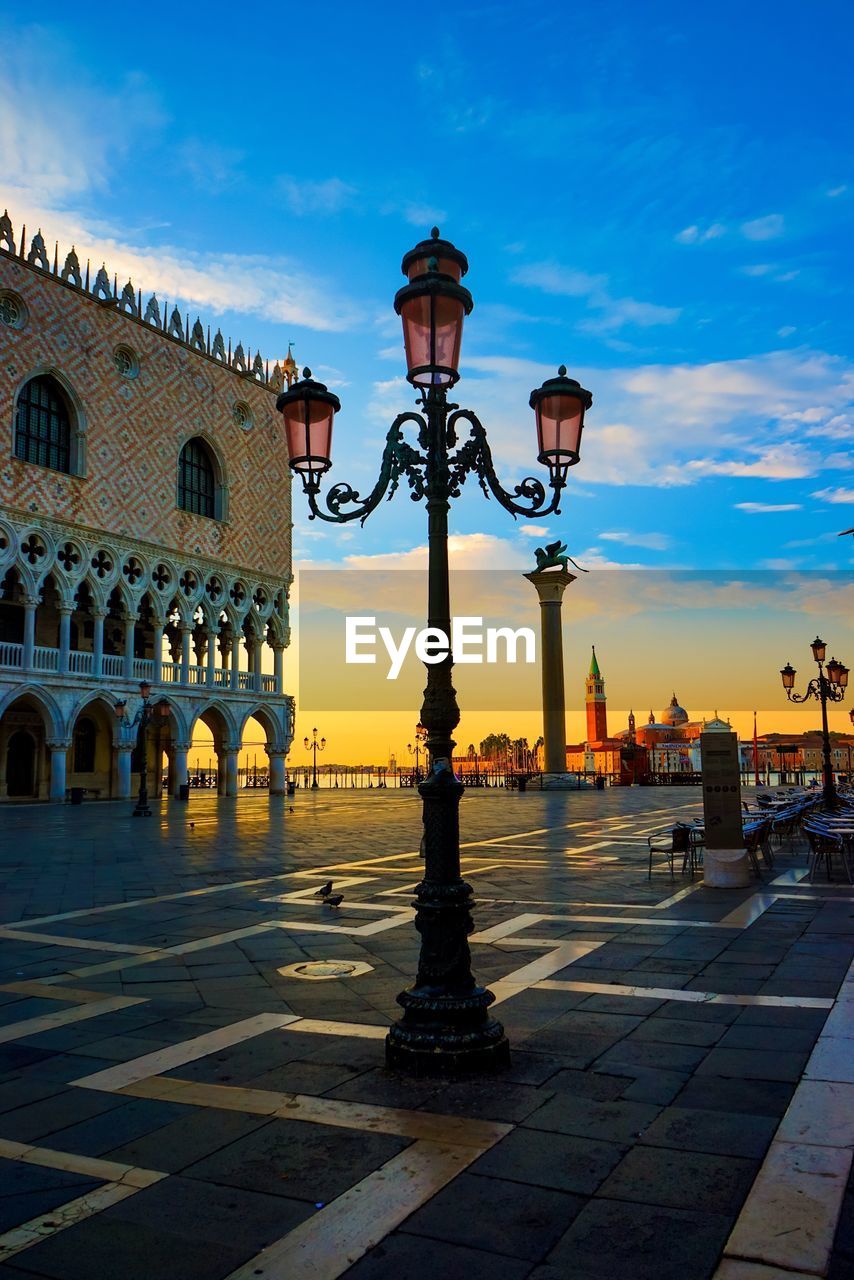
141,811
446,1035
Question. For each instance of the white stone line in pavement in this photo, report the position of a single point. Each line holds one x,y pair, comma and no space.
678,993
565,953
122,1180
65,1215
63,1017
57,940
89,1166
324,1246
790,1215
146,902
177,1055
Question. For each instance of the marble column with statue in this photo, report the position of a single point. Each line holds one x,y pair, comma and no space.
550,579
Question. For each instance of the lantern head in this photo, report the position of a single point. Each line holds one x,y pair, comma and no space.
308,408
787,675
432,307
559,405
819,649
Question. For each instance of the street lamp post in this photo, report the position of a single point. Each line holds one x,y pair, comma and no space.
828,686
445,1024
311,744
416,750
140,722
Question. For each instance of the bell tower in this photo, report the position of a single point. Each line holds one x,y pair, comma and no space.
597,711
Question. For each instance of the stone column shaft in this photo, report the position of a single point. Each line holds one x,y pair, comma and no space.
550,585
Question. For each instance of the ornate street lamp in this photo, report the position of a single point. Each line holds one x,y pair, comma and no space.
312,744
141,721
420,738
828,686
445,1025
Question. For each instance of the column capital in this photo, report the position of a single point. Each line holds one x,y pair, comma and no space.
58,744
550,584
99,611
32,599
276,752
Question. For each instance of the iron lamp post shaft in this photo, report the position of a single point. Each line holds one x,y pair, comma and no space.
446,1026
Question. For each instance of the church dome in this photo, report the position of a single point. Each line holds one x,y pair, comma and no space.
674,714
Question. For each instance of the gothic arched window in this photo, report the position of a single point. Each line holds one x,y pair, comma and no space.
197,484
43,425
85,735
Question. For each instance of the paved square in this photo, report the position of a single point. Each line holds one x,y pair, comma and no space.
175,1100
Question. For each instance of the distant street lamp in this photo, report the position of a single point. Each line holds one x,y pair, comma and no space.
828,686
141,721
445,1024
418,748
312,744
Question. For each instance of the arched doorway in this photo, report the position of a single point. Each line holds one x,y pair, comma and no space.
21,765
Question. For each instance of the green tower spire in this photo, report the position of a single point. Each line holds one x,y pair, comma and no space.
594,665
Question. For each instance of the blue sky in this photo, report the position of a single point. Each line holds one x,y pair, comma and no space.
658,195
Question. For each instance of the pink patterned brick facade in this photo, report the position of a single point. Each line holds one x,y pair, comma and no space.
135,429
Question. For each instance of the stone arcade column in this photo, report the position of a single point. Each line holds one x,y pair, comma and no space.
58,765
550,585
179,767
31,603
130,631
230,772
257,649
123,755
186,634
235,661
278,665
158,652
65,612
98,615
277,771
212,646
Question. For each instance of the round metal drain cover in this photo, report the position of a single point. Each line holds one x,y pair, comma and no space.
324,970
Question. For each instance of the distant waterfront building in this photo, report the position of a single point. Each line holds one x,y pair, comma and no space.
668,745
145,533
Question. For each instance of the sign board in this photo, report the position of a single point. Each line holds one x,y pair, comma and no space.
721,790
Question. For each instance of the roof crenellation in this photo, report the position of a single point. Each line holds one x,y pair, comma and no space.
153,315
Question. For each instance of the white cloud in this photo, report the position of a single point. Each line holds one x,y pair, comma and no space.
652,541
61,140
610,313
303,196
837,191
767,228
786,331
533,530
423,215
839,495
775,463
697,235
762,508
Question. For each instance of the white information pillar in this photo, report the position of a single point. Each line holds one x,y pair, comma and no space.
725,861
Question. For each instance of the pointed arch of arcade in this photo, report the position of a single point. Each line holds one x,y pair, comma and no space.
276,745
219,719
33,745
93,734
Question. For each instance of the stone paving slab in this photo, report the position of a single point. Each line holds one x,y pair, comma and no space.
626,1138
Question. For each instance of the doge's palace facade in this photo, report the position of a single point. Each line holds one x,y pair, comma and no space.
145,533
